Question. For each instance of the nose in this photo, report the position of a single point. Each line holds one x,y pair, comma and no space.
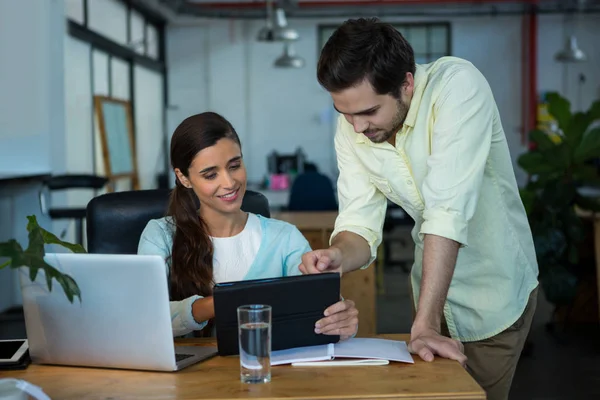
227,181
360,125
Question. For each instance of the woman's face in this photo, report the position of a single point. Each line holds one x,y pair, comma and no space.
218,177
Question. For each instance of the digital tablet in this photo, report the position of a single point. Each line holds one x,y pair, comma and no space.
297,303
11,351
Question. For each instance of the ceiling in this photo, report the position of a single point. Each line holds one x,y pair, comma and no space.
184,10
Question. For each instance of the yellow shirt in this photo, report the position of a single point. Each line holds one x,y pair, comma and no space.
451,171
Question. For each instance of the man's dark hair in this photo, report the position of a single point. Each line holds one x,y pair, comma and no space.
365,48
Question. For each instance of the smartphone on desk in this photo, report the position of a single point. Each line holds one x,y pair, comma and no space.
14,354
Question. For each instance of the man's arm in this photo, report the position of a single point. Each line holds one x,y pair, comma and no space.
354,250
359,225
460,146
439,259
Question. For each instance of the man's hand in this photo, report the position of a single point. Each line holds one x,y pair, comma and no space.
340,319
427,343
318,261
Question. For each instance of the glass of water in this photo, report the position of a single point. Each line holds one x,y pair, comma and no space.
254,324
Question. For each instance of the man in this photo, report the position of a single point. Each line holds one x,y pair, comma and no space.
429,138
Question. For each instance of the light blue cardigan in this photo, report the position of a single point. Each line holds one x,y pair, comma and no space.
280,253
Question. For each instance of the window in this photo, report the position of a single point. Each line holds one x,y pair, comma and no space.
430,41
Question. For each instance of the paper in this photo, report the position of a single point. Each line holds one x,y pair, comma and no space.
367,351
300,354
340,363
384,349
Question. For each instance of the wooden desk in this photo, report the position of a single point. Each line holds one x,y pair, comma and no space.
358,286
219,378
595,217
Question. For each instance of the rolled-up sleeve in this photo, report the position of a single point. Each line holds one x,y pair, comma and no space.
361,205
182,319
460,146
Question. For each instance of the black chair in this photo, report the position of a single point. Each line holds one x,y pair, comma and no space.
115,221
312,191
67,182
395,217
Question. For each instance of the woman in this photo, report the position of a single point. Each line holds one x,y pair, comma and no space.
217,241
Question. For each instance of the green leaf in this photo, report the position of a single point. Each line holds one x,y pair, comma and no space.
10,249
542,139
528,199
573,254
535,163
594,111
69,286
589,146
572,225
587,203
50,238
586,175
557,195
550,244
36,240
558,156
577,128
32,272
560,108
559,284
33,257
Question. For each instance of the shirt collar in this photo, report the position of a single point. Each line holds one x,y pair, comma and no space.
415,102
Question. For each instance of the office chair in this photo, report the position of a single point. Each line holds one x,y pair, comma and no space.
312,191
115,221
66,182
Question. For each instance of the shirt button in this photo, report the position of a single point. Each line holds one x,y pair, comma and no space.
409,182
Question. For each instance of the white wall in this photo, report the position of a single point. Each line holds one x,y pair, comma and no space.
31,101
32,126
564,78
149,125
219,66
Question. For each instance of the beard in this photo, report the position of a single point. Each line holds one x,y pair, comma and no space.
386,134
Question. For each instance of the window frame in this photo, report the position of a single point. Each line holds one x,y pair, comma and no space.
429,55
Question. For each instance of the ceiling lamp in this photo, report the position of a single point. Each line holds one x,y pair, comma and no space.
289,59
571,52
276,29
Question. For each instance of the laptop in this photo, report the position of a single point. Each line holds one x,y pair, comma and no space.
123,319
297,303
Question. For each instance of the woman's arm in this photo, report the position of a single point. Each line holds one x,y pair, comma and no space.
187,315
191,314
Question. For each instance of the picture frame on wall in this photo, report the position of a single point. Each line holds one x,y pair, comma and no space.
115,126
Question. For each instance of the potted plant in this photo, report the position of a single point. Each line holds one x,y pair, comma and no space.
33,257
560,163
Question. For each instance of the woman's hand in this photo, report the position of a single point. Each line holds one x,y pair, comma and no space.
340,319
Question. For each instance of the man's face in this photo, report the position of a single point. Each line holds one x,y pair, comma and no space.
376,116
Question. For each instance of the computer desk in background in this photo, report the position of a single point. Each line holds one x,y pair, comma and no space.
219,378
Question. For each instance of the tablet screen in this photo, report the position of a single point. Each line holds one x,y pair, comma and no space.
12,350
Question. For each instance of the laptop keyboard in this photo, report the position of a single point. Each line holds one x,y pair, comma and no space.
180,357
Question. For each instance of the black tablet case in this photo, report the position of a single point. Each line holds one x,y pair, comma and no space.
297,303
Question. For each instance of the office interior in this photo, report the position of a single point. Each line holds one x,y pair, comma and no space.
169,59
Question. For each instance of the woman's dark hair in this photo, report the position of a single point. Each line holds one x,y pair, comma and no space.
192,252
365,48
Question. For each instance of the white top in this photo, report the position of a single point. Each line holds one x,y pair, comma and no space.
234,255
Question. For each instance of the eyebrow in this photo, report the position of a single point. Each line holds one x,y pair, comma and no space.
208,169
363,112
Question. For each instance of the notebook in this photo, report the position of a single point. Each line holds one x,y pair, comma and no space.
357,351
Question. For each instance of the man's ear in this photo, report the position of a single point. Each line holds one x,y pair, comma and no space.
408,86
182,179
